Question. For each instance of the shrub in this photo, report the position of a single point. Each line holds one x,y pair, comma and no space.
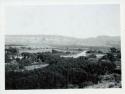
106,66
11,67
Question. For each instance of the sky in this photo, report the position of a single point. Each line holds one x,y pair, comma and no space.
80,21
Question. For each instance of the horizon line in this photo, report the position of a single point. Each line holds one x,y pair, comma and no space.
60,35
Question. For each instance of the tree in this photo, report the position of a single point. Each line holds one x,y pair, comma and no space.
13,51
113,50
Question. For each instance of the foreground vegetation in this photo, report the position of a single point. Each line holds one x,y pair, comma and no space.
61,72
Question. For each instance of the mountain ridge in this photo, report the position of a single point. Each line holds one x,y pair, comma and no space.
53,40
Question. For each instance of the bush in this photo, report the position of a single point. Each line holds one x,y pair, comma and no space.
11,67
106,66
76,75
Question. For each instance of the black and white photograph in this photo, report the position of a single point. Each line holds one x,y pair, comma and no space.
69,46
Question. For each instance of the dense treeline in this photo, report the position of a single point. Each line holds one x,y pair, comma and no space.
59,75
61,72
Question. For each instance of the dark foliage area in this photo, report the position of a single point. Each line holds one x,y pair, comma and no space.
61,72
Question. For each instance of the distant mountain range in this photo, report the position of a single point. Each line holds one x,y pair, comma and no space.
54,40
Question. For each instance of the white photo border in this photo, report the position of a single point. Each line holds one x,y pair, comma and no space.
55,2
